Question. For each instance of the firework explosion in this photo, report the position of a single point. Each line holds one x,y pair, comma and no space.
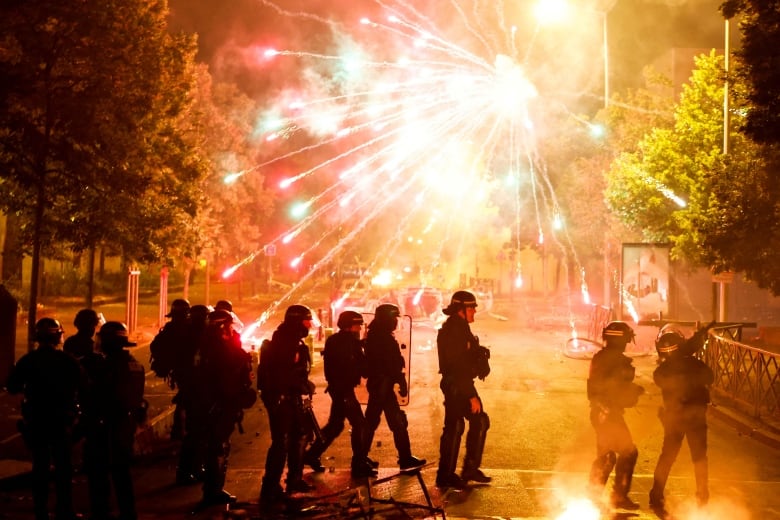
415,127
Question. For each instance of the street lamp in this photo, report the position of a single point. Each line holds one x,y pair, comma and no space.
549,12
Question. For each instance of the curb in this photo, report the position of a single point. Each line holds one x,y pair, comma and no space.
755,431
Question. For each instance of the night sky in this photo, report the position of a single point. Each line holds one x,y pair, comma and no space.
639,30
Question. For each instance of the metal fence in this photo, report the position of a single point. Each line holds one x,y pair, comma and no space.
747,375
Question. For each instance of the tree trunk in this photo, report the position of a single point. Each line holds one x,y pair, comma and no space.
12,253
36,267
90,277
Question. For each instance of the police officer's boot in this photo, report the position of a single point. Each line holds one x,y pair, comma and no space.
270,492
475,446
657,501
214,482
361,468
311,457
624,472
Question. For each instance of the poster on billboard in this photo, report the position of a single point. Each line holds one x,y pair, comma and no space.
645,281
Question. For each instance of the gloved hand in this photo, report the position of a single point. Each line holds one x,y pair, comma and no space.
403,387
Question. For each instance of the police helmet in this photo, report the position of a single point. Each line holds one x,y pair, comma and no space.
114,334
668,341
220,318
617,332
199,313
460,300
179,307
297,314
224,305
387,312
86,319
49,331
349,318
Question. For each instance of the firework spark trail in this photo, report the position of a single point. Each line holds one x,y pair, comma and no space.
349,237
410,118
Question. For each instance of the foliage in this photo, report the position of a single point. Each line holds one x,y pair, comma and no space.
232,223
718,210
91,92
760,70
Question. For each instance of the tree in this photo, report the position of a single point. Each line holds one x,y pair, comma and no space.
90,150
718,210
760,70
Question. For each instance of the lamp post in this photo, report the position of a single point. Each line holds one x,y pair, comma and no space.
726,125
605,50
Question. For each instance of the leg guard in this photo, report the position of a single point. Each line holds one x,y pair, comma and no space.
449,446
701,471
475,441
624,472
401,435
600,470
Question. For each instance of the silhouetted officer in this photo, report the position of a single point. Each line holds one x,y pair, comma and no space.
173,356
283,379
224,374
191,457
114,407
386,369
82,342
345,365
611,390
684,382
461,359
50,380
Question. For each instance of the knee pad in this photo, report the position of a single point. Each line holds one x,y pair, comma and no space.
484,421
630,457
460,426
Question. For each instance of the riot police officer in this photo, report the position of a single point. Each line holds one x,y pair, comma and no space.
283,380
191,456
345,365
385,369
173,349
82,342
684,381
461,360
224,373
610,391
114,407
50,380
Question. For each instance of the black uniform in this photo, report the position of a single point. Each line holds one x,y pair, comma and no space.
80,344
224,372
385,366
50,380
684,382
610,391
283,380
111,415
192,416
345,365
459,352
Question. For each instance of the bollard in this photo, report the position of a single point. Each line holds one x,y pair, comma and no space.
131,305
8,311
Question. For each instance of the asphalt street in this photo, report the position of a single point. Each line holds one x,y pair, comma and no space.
539,447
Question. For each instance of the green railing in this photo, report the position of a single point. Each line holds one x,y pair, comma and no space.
748,376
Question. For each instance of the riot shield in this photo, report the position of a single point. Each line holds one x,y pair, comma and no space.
403,334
